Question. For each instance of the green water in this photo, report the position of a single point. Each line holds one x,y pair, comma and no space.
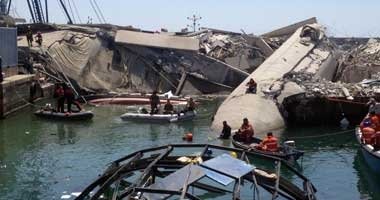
42,159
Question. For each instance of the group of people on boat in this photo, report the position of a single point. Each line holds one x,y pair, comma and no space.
245,135
168,107
370,128
64,94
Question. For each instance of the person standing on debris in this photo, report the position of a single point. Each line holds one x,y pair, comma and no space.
29,37
168,108
154,102
252,86
39,38
60,95
226,132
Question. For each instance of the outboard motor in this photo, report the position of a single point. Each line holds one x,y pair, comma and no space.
290,147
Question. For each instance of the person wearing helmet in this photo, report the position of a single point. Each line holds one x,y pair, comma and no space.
29,36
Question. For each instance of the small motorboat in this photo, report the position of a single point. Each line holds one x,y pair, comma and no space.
166,118
370,154
287,150
83,115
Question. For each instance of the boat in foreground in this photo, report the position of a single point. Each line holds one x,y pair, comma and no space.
287,150
198,171
84,115
371,156
163,118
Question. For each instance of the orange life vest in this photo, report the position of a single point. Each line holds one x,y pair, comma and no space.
375,122
271,144
368,133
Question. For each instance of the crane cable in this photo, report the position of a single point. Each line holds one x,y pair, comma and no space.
76,11
96,12
71,11
100,11
62,10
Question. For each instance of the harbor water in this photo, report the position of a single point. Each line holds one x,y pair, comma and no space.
44,159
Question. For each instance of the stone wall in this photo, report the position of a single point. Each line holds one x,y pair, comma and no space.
14,93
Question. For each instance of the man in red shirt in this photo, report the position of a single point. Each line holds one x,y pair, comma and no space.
245,133
60,94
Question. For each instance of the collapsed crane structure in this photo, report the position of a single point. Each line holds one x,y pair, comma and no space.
41,15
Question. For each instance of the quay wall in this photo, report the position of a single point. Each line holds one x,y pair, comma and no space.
14,93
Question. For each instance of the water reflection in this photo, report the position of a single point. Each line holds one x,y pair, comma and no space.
368,182
66,134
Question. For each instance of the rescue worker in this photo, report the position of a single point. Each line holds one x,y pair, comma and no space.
69,96
252,86
39,38
190,106
365,123
270,143
367,135
168,108
245,132
29,37
154,102
375,121
226,132
60,94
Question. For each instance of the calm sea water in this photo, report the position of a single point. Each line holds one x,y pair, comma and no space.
42,159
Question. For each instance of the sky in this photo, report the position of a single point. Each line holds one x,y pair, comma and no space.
343,18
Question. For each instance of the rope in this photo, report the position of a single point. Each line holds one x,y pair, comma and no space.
321,135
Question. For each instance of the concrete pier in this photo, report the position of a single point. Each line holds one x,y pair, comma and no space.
297,54
14,93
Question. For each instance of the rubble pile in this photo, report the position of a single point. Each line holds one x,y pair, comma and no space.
235,49
318,87
361,62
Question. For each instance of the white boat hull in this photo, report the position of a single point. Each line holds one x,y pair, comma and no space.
167,118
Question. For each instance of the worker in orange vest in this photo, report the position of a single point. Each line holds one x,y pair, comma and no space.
245,132
367,135
270,143
375,121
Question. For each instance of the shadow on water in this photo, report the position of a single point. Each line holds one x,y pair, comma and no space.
368,181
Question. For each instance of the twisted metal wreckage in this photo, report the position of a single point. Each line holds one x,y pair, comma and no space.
174,171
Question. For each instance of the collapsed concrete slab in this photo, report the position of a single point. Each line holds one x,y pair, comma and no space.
305,51
156,40
288,30
100,59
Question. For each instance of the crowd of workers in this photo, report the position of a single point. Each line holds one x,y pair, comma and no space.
370,128
65,94
245,135
168,107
